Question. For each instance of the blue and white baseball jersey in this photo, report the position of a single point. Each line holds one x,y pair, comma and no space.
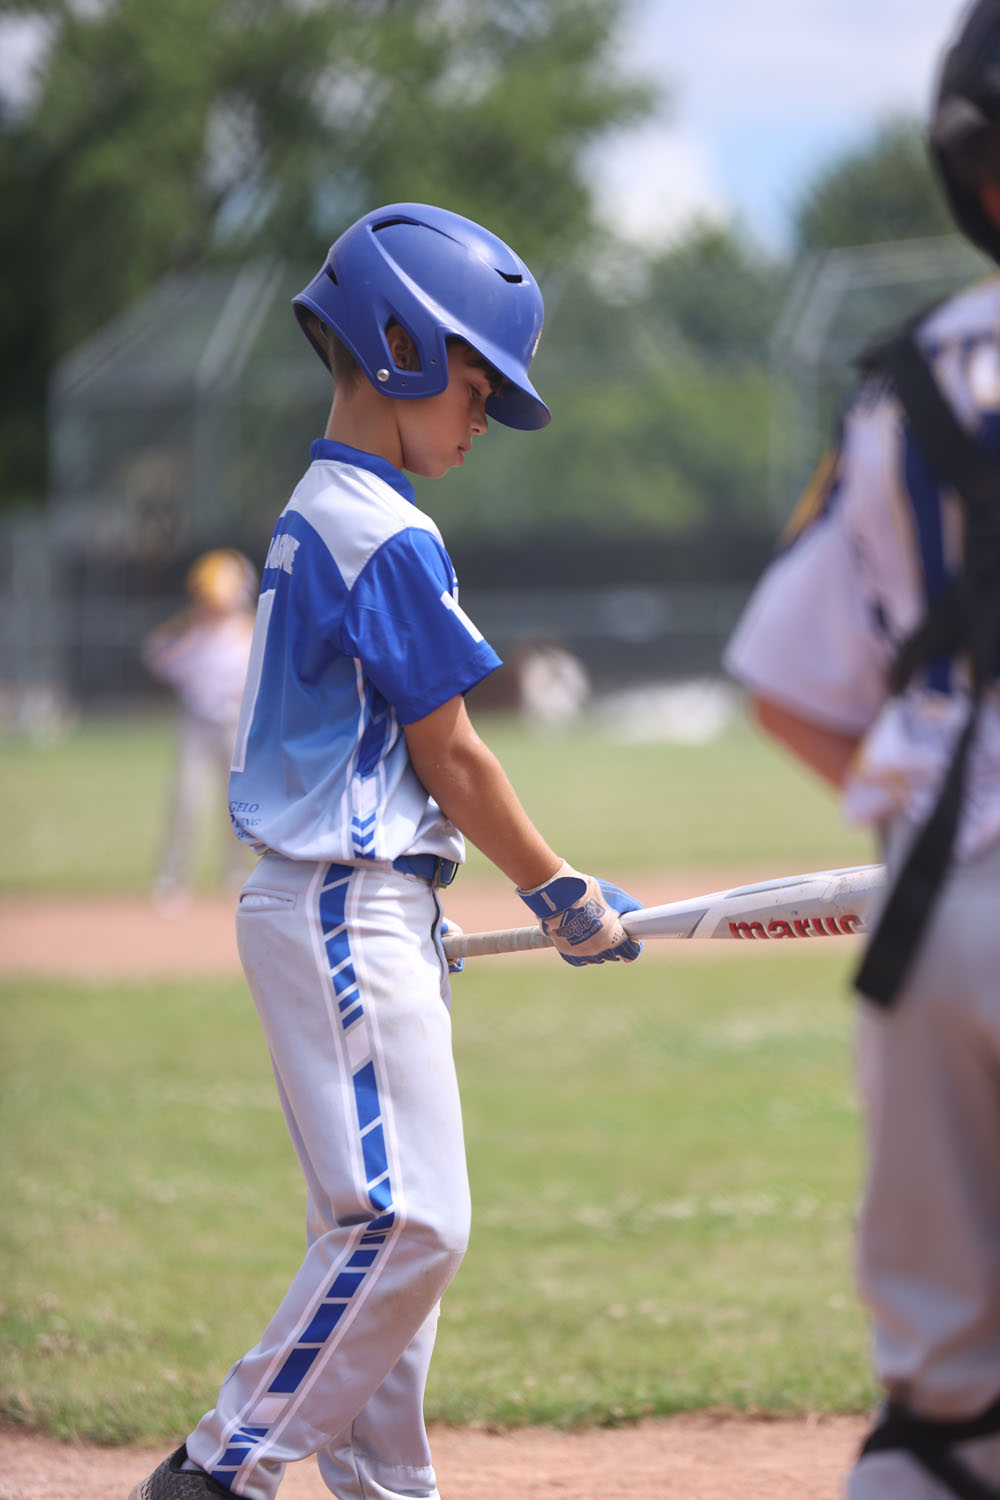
358,632
875,541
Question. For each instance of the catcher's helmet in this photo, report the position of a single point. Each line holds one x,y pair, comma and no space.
965,123
436,274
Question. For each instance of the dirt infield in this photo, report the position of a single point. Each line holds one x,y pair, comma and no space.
684,1458
116,937
690,1457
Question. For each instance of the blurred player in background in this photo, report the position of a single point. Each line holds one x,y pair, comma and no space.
553,684
202,653
355,775
870,649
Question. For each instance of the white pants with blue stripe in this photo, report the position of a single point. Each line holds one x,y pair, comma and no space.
348,976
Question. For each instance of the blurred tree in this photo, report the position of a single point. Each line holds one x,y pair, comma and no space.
719,291
886,190
159,135
681,447
651,436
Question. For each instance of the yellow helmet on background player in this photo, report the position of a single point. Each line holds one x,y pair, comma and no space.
222,578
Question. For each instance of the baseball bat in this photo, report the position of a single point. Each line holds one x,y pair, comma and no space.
824,903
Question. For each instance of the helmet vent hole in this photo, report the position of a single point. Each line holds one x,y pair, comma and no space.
514,276
329,272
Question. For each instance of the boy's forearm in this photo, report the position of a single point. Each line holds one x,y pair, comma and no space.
828,752
485,808
472,789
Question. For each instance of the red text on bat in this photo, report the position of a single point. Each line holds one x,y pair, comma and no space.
799,927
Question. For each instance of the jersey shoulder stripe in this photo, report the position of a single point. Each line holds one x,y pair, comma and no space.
354,512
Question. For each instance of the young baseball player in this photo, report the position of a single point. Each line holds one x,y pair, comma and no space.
202,654
356,773
901,530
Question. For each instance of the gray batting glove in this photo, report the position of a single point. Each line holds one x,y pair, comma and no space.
582,916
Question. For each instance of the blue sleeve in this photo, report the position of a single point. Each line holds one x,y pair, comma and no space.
416,644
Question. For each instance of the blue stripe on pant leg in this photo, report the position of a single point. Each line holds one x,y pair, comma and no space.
329,1311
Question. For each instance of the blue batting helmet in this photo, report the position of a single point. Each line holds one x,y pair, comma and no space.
436,274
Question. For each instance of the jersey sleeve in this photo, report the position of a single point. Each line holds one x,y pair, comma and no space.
405,625
810,638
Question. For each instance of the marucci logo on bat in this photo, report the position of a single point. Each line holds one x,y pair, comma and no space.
844,926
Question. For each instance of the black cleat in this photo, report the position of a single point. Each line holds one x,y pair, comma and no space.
171,1482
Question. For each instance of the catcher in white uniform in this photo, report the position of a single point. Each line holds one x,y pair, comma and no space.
868,647
356,773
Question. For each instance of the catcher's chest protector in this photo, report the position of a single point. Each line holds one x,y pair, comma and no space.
965,618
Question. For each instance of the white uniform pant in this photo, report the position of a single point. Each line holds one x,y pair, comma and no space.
349,979
929,1233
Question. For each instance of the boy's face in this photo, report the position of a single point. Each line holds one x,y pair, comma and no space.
436,432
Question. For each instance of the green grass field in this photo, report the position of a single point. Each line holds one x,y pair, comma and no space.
664,1164
665,1158
85,812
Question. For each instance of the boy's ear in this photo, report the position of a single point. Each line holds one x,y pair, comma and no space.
402,348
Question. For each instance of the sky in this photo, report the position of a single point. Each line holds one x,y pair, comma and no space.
762,95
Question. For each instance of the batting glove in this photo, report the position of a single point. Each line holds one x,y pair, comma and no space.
455,965
581,916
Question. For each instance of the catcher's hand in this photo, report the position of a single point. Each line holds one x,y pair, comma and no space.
581,916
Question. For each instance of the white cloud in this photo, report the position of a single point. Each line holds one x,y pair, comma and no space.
762,94
835,56
22,43
653,182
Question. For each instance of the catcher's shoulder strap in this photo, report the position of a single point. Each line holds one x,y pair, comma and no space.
964,617
932,1443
